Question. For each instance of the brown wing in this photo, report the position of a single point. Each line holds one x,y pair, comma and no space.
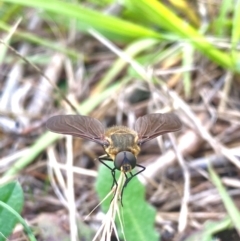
80,126
153,125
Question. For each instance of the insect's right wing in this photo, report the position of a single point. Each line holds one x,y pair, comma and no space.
153,125
79,126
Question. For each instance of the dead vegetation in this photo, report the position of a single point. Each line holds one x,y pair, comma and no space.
176,177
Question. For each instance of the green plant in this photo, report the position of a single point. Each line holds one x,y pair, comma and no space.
11,203
137,216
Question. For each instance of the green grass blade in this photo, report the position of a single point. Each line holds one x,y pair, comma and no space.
188,60
227,201
157,13
221,21
132,50
235,40
111,27
211,228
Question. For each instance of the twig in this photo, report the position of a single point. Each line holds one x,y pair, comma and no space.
219,148
52,166
183,216
70,190
226,89
38,70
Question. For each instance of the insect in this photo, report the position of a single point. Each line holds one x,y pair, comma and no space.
121,144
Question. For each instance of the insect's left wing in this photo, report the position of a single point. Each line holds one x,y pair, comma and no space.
153,125
79,126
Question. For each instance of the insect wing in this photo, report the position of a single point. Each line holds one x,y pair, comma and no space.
79,126
153,125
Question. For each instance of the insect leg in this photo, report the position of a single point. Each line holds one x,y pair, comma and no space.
128,179
133,175
107,158
104,158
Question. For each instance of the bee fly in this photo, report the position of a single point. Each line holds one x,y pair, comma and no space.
121,144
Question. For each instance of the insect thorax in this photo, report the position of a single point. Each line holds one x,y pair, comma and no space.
121,138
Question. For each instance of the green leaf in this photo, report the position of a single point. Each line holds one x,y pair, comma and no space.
12,195
138,216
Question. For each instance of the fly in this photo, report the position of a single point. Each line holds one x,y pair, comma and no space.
121,144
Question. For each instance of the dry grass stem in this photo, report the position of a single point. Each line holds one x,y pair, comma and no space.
183,216
71,190
108,224
49,67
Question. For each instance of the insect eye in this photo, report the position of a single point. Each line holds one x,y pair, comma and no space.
125,160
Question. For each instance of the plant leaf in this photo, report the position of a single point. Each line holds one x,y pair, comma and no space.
12,195
138,215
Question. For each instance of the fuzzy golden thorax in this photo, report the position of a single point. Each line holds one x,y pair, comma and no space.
121,138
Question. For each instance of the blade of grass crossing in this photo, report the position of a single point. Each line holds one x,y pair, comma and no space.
227,201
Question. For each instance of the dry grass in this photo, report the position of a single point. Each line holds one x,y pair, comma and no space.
58,180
